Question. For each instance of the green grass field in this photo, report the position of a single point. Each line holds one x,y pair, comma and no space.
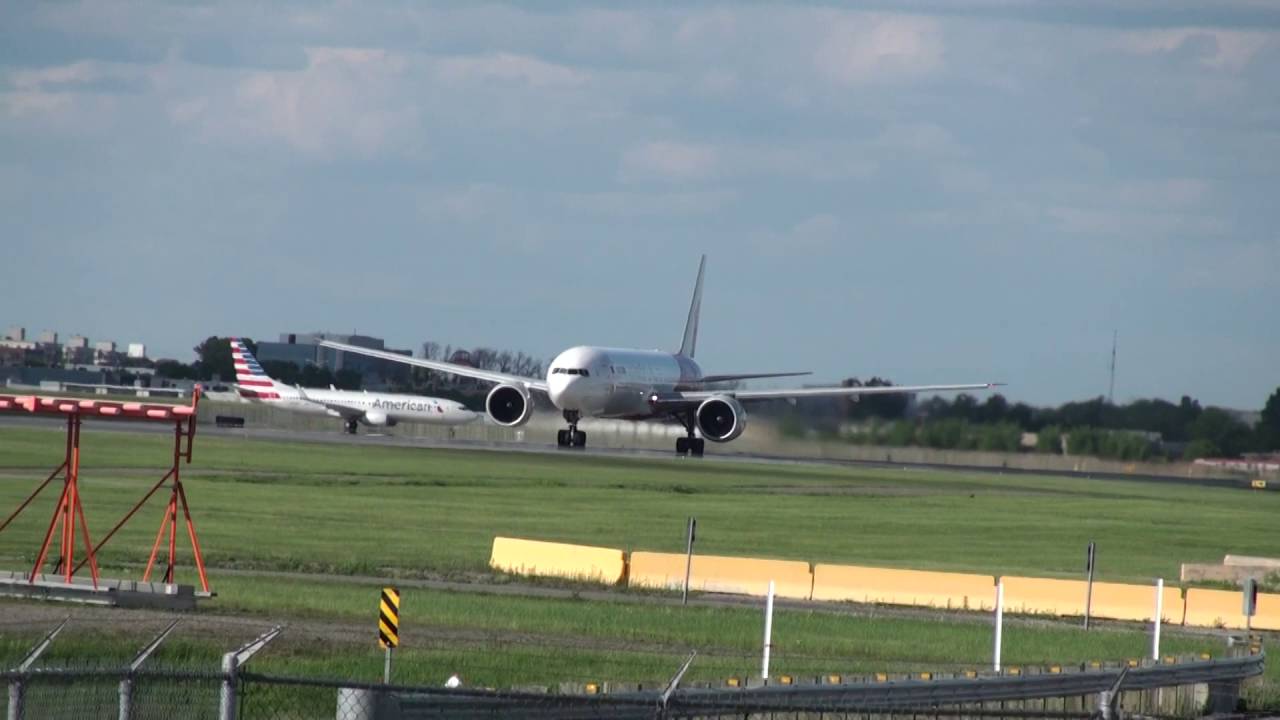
403,512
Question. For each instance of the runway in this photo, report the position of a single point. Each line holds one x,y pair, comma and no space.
374,440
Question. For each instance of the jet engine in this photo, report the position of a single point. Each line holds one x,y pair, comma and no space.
377,418
721,418
509,405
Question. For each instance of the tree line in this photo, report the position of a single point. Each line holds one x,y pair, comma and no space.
1139,430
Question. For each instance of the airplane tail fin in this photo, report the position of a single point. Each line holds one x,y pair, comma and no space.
252,381
690,342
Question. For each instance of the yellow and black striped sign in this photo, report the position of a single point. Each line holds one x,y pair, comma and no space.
389,618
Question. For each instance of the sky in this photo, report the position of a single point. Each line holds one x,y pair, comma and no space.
926,191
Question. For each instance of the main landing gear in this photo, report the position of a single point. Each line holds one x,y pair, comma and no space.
351,426
689,445
573,437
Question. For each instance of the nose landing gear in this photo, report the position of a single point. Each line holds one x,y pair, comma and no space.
572,437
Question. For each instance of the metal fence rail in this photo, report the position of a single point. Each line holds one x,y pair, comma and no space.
134,694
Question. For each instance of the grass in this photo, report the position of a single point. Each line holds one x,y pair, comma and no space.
504,640
348,510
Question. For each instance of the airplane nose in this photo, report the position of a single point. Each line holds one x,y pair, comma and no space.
563,391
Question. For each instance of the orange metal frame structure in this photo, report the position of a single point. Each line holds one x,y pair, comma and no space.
69,511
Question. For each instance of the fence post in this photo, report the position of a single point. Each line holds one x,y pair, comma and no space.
227,698
126,684
768,632
17,690
688,559
18,685
1155,637
999,622
231,663
1088,594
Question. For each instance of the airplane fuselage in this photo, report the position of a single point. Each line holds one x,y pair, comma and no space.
616,382
396,407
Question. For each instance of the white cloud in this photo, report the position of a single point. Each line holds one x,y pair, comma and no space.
636,204
819,233
345,100
508,68
868,48
669,161
1219,49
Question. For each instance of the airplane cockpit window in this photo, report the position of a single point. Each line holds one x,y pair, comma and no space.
584,372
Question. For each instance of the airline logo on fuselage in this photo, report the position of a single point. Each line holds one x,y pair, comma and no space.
410,405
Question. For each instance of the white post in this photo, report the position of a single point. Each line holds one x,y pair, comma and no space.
999,621
1155,638
768,631
227,698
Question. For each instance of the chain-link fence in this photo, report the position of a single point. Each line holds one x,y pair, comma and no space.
1184,689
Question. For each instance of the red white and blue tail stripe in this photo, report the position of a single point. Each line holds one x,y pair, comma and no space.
253,382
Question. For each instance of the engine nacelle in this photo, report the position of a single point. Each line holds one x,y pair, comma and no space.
721,418
509,405
377,418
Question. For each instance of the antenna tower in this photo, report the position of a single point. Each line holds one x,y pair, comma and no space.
1111,388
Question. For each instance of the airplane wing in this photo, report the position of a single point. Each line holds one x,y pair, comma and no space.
441,366
750,376
700,395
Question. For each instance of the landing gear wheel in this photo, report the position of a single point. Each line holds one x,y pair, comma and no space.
351,427
690,444
571,437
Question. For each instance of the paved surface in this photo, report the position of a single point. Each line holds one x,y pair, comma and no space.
391,440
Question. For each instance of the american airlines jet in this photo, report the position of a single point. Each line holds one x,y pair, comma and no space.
373,409
601,382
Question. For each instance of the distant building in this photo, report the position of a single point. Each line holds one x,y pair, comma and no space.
303,349
78,342
48,337
16,333
137,351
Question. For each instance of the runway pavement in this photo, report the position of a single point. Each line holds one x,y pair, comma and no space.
715,453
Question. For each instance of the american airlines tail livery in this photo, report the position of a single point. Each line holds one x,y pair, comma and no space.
601,382
373,409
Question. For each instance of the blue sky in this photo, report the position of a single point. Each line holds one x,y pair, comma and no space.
929,191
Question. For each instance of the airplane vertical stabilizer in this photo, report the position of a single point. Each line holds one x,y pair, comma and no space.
252,381
690,342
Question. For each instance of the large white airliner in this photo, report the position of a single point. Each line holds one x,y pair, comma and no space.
602,382
373,409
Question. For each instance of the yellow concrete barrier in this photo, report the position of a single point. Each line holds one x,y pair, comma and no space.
713,573
1042,596
577,562
1215,608
1268,617
903,587
1116,601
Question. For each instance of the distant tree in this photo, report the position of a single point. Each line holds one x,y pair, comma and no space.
1049,440
1199,448
890,406
431,350
348,379
1227,436
1267,433
994,410
213,357
175,370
